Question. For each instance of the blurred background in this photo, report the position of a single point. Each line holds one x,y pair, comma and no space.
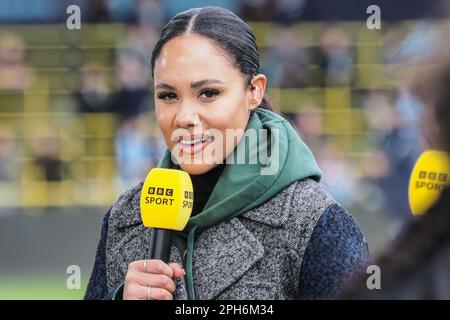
77,125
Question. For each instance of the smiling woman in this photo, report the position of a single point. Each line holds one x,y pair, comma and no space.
200,85
251,235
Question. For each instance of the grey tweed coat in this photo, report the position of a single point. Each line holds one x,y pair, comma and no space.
257,255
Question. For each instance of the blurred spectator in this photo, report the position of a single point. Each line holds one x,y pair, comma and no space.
289,11
136,150
286,63
398,148
121,10
336,57
338,176
371,192
410,108
14,74
257,10
94,95
393,37
133,96
425,34
8,155
413,47
139,41
309,123
45,151
150,13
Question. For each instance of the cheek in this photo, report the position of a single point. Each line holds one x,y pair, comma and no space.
164,117
231,114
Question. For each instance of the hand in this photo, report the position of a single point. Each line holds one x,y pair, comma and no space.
158,276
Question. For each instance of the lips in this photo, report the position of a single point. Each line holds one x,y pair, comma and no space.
194,144
193,141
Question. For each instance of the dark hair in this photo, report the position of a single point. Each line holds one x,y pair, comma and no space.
227,30
442,107
431,87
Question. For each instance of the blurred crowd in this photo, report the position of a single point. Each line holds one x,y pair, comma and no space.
375,182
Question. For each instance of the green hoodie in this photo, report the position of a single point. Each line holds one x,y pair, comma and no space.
242,187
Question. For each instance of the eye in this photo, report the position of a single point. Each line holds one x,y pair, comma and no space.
209,93
167,96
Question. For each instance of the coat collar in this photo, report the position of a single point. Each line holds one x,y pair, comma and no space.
126,211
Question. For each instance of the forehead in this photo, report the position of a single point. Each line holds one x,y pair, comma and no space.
192,57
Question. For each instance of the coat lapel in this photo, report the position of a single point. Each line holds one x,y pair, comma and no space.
222,254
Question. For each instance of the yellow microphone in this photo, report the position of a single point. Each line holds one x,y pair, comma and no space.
167,199
429,177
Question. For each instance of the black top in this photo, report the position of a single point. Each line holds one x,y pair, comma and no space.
203,185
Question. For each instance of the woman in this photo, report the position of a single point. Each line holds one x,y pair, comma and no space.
253,234
417,264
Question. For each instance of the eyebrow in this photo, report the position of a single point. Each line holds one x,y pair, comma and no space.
193,84
203,82
164,86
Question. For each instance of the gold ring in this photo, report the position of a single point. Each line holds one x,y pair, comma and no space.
149,292
145,265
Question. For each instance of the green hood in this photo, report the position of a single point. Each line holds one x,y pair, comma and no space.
242,187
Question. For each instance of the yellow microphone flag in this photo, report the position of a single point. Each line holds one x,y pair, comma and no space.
429,177
167,199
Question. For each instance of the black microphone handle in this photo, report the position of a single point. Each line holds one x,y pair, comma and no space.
160,244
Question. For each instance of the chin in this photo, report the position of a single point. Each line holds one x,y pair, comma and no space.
197,169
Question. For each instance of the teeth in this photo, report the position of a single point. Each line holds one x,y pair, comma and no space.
195,141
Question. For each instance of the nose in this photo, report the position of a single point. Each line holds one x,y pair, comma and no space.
187,116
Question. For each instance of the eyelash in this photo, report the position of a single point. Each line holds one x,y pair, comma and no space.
166,95
214,92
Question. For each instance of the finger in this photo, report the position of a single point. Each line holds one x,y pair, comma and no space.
158,266
138,265
152,280
155,293
152,266
133,291
178,271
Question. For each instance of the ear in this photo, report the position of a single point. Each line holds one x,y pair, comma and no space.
256,89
